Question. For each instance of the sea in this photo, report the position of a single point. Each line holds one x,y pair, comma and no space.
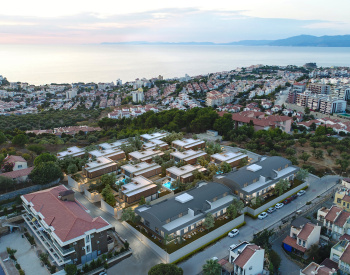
46,64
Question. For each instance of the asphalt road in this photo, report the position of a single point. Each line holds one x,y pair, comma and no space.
281,98
220,249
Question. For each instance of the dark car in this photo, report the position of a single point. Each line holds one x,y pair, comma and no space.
288,200
293,197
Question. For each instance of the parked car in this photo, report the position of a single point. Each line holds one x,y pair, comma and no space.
279,205
263,215
233,233
271,209
288,200
301,192
294,196
215,259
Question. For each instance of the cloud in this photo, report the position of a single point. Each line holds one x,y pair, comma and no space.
170,24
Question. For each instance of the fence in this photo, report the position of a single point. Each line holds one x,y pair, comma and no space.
168,258
255,212
107,208
80,187
93,197
27,190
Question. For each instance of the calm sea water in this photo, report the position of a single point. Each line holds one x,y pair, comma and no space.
104,63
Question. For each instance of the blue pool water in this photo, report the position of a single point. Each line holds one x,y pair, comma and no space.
2,272
168,185
122,182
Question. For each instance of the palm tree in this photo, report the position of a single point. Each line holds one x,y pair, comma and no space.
212,267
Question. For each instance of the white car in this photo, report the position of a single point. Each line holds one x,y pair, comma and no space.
301,192
233,233
271,210
279,205
263,215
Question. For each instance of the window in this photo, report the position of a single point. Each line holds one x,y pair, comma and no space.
87,238
88,249
344,203
20,166
303,243
299,242
338,200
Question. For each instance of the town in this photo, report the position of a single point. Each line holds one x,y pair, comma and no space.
237,172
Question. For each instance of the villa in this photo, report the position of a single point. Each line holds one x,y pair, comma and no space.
185,212
189,157
155,143
150,137
234,159
113,154
146,155
138,188
144,169
188,143
113,145
73,151
184,173
259,178
97,168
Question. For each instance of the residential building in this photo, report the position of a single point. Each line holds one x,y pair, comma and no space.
340,253
335,220
189,156
73,151
342,198
114,145
186,211
99,167
139,187
185,173
258,179
17,161
319,88
299,87
303,234
317,269
144,169
138,96
113,154
18,175
146,155
155,144
188,143
234,159
247,259
150,137
64,227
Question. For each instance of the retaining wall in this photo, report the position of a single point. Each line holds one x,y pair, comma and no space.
107,208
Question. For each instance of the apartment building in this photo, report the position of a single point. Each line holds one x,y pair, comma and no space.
340,253
325,104
247,258
73,151
188,144
145,156
138,96
342,93
113,154
139,187
99,167
234,159
303,234
184,173
144,169
185,212
189,156
64,227
319,88
258,179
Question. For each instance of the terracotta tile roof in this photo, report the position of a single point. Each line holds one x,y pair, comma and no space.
293,243
346,198
306,231
246,254
345,257
69,218
342,218
332,214
18,173
14,159
329,263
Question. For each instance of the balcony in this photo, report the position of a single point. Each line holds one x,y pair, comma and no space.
54,252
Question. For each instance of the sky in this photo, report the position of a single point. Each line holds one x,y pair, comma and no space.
98,21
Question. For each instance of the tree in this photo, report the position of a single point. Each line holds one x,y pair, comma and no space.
6,183
304,156
108,179
243,162
142,201
92,139
7,167
330,151
71,269
302,141
290,151
234,208
165,269
343,163
212,267
128,214
2,137
209,221
319,154
20,140
46,172
44,157
263,238
225,167
108,195
307,110
281,186
72,169
302,174
275,259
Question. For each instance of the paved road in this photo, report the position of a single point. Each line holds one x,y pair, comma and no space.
143,257
220,249
282,97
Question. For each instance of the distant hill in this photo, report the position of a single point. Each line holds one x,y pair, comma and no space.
295,41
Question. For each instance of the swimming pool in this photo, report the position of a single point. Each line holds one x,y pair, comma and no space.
120,182
168,185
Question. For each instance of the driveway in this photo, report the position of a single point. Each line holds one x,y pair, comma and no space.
220,249
143,257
